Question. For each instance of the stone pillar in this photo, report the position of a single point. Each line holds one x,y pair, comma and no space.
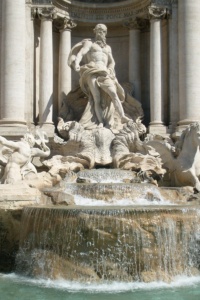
64,81
156,95
13,68
173,68
30,15
0,45
134,55
46,70
189,61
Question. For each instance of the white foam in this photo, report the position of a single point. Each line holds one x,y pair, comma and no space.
83,201
106,287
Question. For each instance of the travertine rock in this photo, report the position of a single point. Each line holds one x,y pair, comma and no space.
109,244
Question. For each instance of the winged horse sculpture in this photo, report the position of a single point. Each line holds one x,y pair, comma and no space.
182,161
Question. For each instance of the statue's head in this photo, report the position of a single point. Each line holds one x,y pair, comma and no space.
29,138
100,28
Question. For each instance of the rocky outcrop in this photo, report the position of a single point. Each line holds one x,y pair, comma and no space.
110,244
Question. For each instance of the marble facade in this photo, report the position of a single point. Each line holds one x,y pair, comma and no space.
155,46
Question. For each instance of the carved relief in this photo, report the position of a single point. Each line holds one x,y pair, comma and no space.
46,13
65,24
156,12
103,13
136,23
16,156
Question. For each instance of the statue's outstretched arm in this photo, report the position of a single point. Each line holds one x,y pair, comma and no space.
11,144
40,153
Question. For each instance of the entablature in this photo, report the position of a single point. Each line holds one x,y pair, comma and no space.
115,12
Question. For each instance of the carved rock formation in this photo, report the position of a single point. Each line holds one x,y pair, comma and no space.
118,244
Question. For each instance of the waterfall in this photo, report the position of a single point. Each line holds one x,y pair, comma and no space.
123,194
106,244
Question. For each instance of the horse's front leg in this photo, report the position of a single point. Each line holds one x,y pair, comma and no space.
187,177
197,185
195,181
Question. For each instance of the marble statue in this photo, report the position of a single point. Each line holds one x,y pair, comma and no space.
15,157
96,66
100,123
130,153
93,146
95,112
182,159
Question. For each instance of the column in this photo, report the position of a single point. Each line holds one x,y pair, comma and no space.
134,55
30,15
64,50
46,70
156,95
189,61
13,68
0,45
173,68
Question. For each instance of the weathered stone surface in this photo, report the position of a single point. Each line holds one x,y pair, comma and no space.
110,244
14,196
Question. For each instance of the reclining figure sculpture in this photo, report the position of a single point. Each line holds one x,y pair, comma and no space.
15,157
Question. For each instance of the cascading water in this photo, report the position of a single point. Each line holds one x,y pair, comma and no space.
123,194
106,244
102,187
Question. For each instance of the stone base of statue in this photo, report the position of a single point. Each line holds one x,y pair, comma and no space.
16,195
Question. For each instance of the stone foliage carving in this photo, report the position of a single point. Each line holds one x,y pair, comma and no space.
16,157
66,24
136,23
157,12
46,13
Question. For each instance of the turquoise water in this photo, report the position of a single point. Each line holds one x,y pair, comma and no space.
13,287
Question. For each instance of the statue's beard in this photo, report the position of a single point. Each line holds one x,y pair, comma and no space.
101,41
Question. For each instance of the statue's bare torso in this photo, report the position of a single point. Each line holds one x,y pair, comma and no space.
98,55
